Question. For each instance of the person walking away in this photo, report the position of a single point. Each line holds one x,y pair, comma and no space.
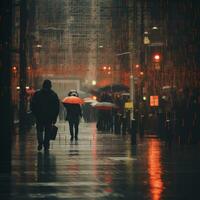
74,114
45,107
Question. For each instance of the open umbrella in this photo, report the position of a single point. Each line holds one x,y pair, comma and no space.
114,88
104,105
72,100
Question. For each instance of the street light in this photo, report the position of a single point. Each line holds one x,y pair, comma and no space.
94,82
132,88
137,66
154,28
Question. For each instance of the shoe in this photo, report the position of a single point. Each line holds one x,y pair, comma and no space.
39,147
46,149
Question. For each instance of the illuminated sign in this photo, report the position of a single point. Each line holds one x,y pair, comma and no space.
154,101
128,105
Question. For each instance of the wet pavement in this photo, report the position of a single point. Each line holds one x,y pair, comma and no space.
102,166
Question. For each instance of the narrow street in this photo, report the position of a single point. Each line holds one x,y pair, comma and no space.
102,166
134,65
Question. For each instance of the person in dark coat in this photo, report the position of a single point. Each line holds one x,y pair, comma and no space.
45,107
74,114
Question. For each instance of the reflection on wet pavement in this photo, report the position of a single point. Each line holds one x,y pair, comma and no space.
103,166
155,169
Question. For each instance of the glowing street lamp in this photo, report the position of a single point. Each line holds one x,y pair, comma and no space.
137,66
94,82
154,28
104,68
141,73
132,88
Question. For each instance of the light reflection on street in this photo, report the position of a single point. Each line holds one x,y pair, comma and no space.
103,166
107,174
94,152
155,169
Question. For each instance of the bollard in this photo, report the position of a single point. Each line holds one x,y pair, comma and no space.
133,131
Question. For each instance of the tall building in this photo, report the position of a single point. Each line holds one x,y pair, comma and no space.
78,40
73,39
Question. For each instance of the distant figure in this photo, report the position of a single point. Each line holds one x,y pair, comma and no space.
73,93
45,107
74,114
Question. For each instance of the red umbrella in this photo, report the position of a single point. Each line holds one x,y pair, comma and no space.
73,100
104,105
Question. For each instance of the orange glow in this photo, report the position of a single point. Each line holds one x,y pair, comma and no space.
103,82
154,101
137,65
155,170
94,97
156,57
104,67
14,68
28,68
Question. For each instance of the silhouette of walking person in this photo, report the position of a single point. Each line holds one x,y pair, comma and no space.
45,107
74,114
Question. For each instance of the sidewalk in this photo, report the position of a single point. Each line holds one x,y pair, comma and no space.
102,166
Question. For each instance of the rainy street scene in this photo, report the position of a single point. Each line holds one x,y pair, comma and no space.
99,100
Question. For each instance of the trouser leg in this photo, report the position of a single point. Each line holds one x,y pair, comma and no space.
47,135
76,130
40,129
71,129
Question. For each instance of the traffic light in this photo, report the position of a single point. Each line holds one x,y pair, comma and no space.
157,60
156,57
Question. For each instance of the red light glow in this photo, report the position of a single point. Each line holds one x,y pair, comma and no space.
157,57
137,66
155,170
104,67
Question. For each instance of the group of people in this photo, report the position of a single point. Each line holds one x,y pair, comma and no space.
116,118
45,106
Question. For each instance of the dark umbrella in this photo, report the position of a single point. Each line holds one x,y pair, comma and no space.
103,105
114,88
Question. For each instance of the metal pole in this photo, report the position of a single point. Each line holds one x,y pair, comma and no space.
23,25
132,95
132,88
132,98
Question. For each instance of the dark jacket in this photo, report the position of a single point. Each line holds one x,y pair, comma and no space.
74,112
45,105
